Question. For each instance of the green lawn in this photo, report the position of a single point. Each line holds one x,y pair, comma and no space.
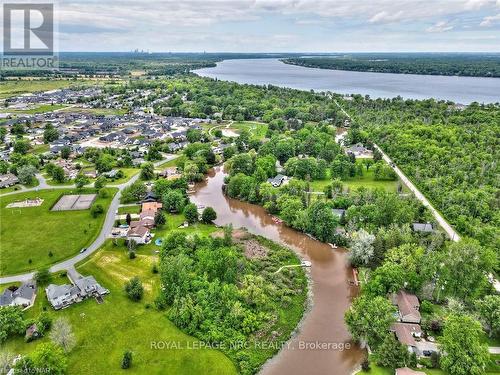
128,174
14,88
135,209
33,232
354,183
170,163
104,331
40,149
33,111
10,189
256,129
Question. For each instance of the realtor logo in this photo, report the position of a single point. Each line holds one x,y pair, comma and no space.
28,36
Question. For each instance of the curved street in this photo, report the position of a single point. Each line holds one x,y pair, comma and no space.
98,242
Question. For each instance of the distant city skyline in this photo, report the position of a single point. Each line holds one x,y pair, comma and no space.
280,26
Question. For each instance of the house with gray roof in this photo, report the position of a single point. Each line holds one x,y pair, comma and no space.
277,180
61,296
423,227
7,180
23,296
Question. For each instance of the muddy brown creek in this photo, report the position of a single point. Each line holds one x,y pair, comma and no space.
322,344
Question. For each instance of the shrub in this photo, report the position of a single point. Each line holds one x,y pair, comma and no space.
134,289
43,276
96,210
208,215
127,359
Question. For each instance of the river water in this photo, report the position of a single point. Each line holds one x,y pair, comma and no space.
378,85
317,348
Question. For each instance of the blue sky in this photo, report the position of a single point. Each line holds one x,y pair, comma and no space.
279,25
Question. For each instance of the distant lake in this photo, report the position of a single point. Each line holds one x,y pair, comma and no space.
378,85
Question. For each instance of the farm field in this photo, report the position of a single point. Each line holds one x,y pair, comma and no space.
33,233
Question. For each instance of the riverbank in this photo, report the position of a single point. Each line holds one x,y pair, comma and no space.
322,343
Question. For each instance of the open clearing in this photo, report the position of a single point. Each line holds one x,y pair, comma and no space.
34,232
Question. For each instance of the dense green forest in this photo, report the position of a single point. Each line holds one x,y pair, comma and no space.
450,279
452,155
473,65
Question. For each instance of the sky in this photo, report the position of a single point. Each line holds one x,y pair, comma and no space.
279,25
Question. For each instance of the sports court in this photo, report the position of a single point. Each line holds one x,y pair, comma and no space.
74,202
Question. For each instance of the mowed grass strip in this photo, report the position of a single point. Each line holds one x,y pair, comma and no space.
104,331
34,232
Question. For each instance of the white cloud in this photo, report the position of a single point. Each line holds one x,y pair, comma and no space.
476,4
384,17
163,25
490,20
439,27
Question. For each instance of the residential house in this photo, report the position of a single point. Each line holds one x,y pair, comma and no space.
61,296
408,307
23,296
359,151
406,333
277,181
138,233
147,218
7,180
423,227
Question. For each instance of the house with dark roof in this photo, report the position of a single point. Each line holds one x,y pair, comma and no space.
23,296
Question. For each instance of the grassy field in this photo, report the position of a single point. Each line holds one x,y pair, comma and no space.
104,331
14,88
33,111
170,163
256,129
33,232
353,183
128,174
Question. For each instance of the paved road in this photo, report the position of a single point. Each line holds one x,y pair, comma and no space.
69,264
452,234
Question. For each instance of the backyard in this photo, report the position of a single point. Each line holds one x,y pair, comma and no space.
42,236
354,183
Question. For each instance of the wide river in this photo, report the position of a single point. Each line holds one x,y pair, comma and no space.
322,345
378,85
